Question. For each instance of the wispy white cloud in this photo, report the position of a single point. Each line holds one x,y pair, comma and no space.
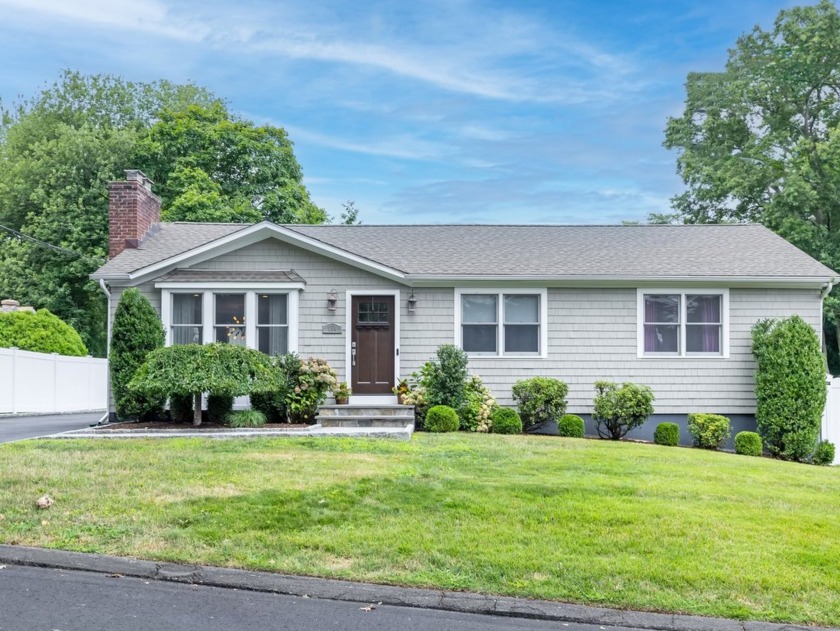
405,147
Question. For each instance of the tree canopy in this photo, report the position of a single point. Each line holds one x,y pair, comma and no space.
760,141
60,148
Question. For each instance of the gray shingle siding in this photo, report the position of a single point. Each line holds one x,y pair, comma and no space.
591,333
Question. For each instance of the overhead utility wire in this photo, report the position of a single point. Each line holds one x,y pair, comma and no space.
50,246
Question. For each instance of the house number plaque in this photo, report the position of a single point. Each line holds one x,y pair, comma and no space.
331,329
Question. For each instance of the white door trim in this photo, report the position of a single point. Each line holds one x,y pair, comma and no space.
348,332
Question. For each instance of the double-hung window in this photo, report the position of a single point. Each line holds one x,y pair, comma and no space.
501,323
683,323
187,322
273,323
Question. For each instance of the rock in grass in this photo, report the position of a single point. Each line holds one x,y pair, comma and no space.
45,501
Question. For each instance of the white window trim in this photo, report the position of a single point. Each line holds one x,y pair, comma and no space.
542,292
208,314
682,292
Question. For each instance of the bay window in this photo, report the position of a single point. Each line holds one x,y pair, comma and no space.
264,318
683,323
502,323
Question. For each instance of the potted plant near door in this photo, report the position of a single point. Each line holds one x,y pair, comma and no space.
342,393
401,389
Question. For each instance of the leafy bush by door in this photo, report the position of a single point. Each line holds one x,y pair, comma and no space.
789,386
619,409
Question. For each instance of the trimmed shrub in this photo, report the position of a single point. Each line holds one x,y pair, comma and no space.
479,403
789,386
824,454
245,418
748,444
571,426
667,434
274,403
198,368
441,418
506,421
540,399
444,379
709,430
620,409
135,333
181,407
39,332
218,407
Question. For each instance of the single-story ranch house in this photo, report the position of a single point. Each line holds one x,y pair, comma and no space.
666,306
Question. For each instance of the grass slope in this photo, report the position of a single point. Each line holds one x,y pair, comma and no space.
617,524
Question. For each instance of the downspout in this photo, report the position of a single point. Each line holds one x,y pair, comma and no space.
107,292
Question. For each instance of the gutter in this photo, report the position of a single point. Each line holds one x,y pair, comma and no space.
106,417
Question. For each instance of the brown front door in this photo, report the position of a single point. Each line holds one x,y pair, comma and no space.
372,345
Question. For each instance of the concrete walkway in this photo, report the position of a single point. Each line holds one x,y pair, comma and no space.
366,594
21,427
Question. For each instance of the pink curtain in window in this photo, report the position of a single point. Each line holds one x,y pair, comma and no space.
710,339
650,331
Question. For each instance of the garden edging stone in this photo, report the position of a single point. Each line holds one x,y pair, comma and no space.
333,589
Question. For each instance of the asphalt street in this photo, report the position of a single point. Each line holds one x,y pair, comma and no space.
20,427
39,599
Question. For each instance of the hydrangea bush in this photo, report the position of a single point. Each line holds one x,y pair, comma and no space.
476,413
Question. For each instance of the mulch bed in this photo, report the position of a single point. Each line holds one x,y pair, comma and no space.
188,427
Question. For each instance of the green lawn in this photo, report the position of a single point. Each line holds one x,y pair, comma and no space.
618,524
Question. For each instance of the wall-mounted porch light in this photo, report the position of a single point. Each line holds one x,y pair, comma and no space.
332,300
412,302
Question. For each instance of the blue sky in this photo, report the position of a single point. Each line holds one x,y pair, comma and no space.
442,111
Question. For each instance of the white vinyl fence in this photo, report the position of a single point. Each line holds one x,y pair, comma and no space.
831,416
45,383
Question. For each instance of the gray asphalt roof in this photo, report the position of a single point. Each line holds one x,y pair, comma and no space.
505,250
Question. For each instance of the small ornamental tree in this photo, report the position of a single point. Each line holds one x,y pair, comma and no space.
540,400
195,369
620,409
136,332
40,332
444,379
789,386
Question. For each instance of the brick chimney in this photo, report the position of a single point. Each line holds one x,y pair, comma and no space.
133,212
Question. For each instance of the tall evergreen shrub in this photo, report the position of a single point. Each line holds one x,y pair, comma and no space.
789,386
135,333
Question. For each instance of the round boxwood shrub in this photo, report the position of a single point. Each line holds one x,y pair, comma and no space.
571,426
709,430
824,454
667,434
748,444
506,421
441,418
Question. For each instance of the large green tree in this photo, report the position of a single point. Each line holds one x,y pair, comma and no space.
760,141
60,148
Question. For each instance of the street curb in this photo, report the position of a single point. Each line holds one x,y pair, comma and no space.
332,589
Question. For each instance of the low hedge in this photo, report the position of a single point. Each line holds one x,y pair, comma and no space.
667,434
506,421
709,430
571,426
441,418
748,444
40,332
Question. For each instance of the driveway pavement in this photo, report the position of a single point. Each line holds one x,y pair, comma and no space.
20,427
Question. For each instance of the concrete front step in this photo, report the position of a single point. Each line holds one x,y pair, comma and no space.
406,411
365,415
360,421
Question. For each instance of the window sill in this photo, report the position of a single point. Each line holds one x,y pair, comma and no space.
666,356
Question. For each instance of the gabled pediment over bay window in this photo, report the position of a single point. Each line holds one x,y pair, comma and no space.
254,309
